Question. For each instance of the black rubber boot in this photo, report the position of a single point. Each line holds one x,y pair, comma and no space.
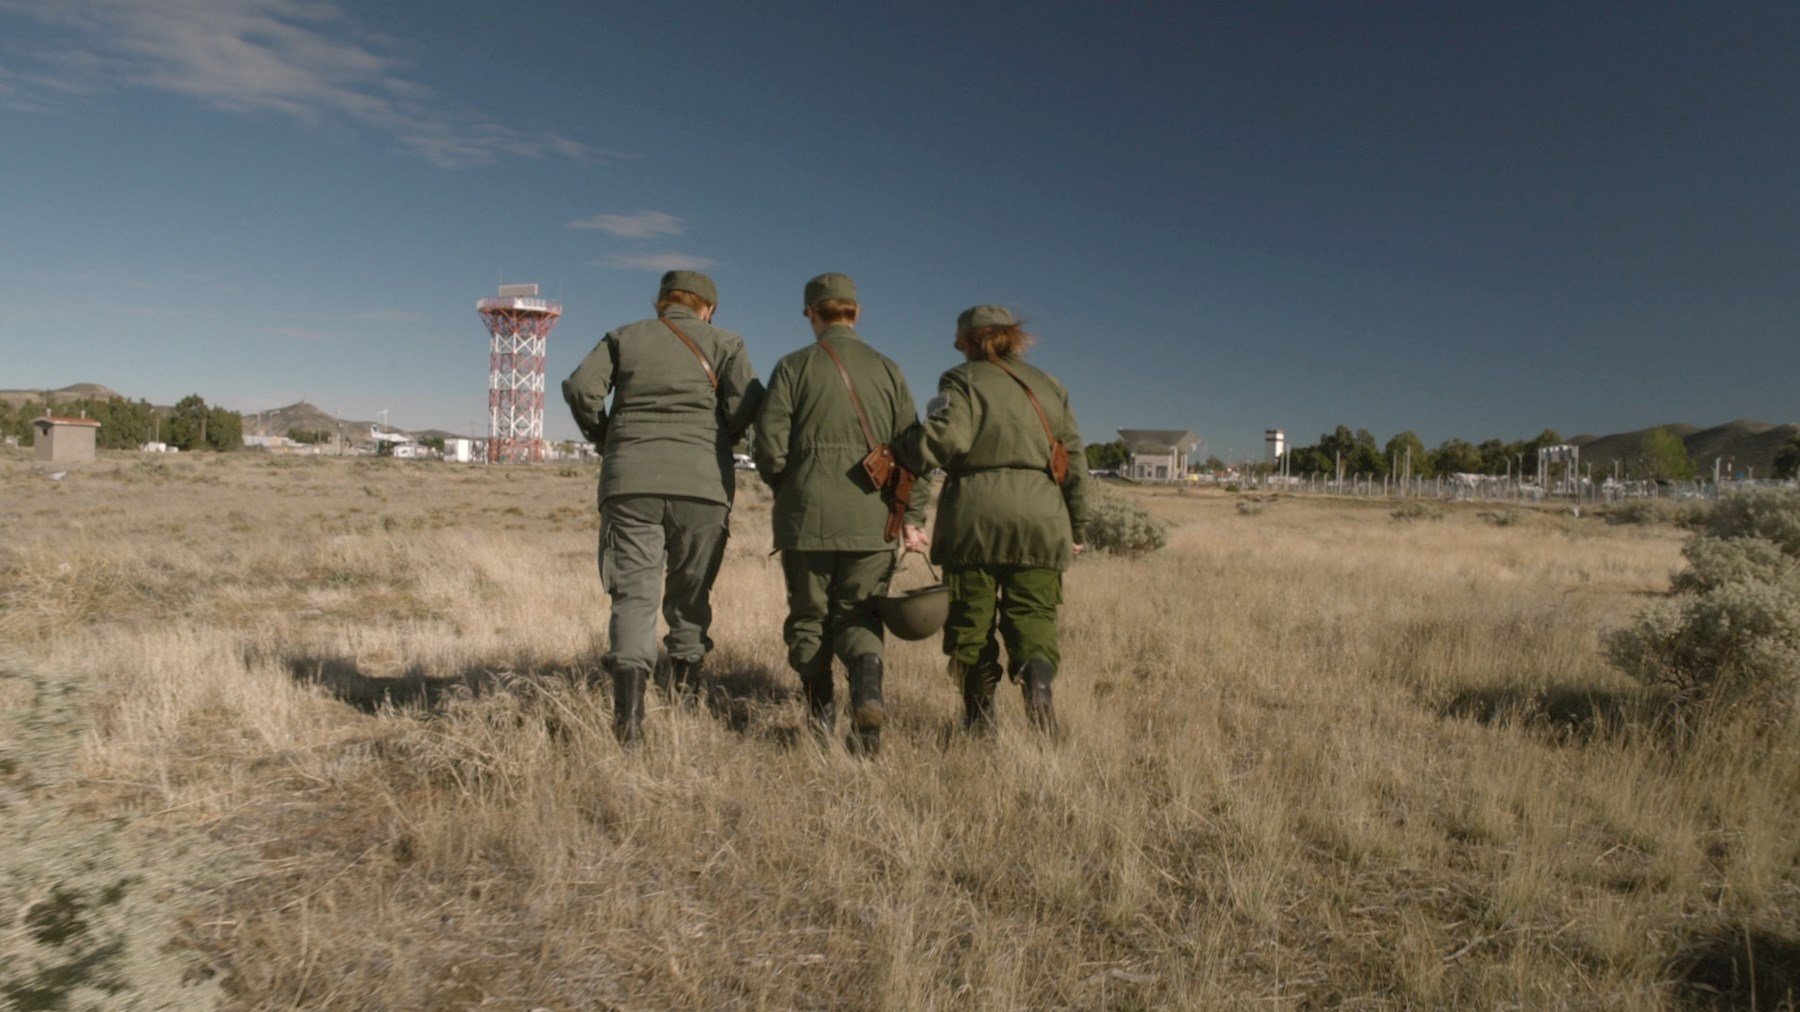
628,706
684,683
978,683
821,704
1038,673
866,710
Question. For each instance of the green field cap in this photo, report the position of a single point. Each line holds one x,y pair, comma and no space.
689,281
830,286
976,317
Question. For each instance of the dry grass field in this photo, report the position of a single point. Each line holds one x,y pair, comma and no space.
286,733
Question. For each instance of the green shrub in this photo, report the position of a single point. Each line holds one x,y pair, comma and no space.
1729,631
1773,516
1119,525
1416,510
1632,511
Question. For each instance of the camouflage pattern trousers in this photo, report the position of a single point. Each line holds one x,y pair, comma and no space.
659,549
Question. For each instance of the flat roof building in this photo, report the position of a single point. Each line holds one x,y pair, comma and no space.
1159,454
65,440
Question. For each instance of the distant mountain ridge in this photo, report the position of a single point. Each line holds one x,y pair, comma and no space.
1742,444
72,392
312,418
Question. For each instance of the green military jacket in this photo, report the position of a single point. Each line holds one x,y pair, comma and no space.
999,506
809,445
668,432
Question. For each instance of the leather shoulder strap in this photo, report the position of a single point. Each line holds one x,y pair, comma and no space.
855,401
1043,419
711,377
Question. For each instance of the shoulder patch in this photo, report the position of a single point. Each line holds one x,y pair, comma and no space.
938,408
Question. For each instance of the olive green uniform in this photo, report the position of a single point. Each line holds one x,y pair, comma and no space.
828,518
1004,530
666,478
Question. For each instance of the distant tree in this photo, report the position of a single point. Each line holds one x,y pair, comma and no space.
1787,459
193,425
187,423
224,429
1496,457
1455,456
1307,460
22,427
1356,450
1665,456
309,437
437,443
1111,456
1213,464
1548,437
1406,446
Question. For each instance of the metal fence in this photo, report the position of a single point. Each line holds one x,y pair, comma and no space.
1489,488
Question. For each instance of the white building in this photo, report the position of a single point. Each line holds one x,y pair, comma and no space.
1159,454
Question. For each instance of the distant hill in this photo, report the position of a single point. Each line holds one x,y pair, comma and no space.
301,415
1742,443
72,392
312,418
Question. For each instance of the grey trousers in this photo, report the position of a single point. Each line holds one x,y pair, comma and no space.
659,548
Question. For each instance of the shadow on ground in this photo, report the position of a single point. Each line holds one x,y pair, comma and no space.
419,689
1565,714
739,690
1740,969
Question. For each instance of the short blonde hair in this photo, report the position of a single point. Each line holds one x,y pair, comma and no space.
834,310
999,341
680,297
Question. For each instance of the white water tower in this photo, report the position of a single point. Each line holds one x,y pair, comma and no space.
1274,445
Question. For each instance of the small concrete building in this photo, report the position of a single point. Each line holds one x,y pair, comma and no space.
1159,454
65,440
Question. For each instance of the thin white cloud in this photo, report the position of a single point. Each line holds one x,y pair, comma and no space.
150,312
295,58
657,262
299,333
642,225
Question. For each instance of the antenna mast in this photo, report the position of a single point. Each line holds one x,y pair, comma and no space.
519,325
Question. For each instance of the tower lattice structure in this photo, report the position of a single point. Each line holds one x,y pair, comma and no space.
519,325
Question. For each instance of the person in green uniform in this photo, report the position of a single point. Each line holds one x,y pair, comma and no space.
828,405
1008,523
683,392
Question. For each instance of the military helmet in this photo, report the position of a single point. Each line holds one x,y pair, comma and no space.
918,613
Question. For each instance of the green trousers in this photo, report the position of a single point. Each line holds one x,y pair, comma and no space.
832,604
1017,602
659,548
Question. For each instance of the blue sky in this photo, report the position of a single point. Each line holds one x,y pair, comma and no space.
1467,220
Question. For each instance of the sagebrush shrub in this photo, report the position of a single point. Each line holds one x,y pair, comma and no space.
1118,525
1716,562
1730,629
1416,510
1773,516
1633,511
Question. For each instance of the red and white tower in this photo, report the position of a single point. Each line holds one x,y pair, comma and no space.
519,324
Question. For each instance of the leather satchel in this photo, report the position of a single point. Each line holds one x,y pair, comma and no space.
886,474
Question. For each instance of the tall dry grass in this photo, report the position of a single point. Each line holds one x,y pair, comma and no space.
1317,758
